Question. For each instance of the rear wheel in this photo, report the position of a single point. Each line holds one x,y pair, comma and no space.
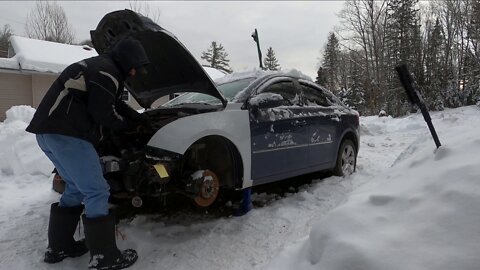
346,159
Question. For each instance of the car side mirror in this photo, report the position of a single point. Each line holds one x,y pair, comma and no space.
266,100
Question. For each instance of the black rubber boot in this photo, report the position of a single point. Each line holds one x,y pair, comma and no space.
100,237
61,228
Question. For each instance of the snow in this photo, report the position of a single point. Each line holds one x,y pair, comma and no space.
214,73
9,63
46,56
264,97
408,206
256,73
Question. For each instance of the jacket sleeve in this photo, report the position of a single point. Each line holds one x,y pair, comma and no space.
102,89
128,112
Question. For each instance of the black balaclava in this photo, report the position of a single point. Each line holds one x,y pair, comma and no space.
129,53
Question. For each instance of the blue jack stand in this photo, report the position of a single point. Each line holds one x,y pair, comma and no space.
246,204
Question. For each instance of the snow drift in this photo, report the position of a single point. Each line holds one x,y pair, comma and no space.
16,155
423,213
408,206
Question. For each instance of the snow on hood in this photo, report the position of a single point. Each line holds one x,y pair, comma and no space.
422,213
46,56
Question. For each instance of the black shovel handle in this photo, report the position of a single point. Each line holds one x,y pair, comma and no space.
414,97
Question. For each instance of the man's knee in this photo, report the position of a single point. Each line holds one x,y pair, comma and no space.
71,200
96,205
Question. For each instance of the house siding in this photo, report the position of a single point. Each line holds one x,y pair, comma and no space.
30,88
15,89
40,85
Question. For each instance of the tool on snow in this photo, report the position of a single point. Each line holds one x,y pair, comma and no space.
415,98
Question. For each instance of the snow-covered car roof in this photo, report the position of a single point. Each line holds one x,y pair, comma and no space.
257,73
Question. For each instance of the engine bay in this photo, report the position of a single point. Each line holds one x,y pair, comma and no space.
127,169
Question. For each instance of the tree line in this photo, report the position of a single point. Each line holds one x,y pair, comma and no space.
438,40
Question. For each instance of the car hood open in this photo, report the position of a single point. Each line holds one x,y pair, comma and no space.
172,67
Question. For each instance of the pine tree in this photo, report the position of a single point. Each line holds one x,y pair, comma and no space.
216,57
434,57
330,63
472,61
270,62
402,46
321,77
353,94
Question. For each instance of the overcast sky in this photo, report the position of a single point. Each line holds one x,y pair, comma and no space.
297,31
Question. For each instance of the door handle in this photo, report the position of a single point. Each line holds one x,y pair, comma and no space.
335,118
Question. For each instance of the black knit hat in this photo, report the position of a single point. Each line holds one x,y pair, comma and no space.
129,53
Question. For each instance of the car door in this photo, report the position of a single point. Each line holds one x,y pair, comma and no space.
323,123
278,133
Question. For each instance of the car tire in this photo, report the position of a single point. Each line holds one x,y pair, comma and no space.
346,159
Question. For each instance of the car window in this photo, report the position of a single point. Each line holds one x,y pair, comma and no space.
286,89
316,97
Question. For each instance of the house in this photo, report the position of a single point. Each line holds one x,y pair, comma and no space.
34,64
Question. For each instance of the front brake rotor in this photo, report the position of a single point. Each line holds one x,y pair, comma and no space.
208,187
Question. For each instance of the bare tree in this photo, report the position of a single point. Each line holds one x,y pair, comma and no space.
364,20
5,35
144,9
47,21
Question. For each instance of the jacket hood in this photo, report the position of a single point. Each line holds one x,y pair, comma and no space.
172,68
129,53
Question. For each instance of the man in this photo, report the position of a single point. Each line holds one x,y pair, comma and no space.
68,124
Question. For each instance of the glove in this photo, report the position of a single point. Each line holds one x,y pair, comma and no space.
143,129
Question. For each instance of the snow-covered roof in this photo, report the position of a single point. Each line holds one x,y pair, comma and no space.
44,56
47,56
8,63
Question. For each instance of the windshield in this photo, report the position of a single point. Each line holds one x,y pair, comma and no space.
229,90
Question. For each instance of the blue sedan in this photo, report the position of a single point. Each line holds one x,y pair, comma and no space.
242,130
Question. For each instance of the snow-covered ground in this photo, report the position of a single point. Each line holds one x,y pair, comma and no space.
407,207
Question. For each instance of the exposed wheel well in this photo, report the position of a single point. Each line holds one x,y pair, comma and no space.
219,155
353,138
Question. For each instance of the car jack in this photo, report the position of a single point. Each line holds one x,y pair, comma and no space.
246,203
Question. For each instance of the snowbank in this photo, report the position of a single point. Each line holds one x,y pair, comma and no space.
20,153
423,213
411,208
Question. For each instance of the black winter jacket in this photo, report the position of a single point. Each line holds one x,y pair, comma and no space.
87,96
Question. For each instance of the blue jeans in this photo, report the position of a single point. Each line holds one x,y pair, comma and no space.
78,164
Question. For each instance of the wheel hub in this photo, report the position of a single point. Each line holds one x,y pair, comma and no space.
208,189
